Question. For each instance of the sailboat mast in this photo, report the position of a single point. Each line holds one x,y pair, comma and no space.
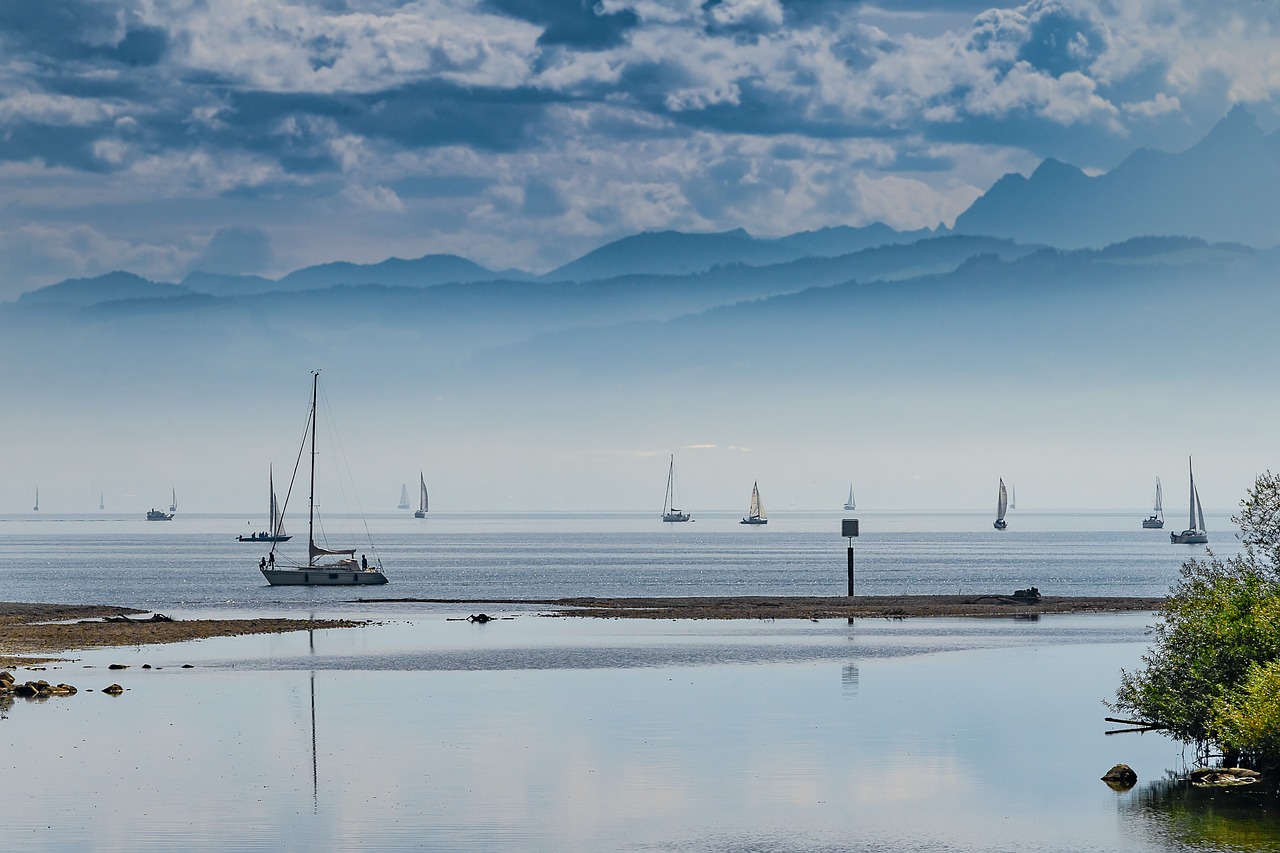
1191,518
311,498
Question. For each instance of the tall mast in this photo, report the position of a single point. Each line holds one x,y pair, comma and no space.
311,498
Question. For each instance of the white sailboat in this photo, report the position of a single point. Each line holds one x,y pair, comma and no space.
1002,506
422,497
346,570
173,501
1195,534
755,513
275,521
849,504
102,504
1156,520
36,508
1013,496
669,512
404,496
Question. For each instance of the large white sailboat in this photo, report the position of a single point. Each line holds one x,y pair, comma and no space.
755,513
1195,534
1155,521
849,504
669,512
346,570
275,527
422,497
1002,506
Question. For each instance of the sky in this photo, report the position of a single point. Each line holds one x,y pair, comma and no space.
260,136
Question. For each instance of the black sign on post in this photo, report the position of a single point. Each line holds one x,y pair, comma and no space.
849,529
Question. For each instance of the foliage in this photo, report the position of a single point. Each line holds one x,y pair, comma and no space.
1212,674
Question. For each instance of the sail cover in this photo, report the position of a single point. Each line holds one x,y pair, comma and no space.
317,551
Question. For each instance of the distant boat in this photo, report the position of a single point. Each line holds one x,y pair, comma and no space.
755,514
1002,506
422,497
1013,496
346,570
849,504
159,515
275,522
404,496
1195,534
36,508
669,512
173,501
1156,520
101,503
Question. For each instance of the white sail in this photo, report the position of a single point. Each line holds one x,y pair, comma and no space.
173,501
422,494
277,520
1200,512
1159,507
757,507
1192,499
1013,496
1002,503
404,496
849,504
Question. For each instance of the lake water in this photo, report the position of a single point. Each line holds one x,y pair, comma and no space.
427,732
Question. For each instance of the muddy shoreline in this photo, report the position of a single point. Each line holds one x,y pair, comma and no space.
807,607
41,633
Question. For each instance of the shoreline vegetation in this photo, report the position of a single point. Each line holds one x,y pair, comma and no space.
32,634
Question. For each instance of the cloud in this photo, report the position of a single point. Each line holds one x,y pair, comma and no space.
235,250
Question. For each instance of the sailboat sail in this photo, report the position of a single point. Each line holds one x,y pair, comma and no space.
1159,507
422,497
849,504
669,511
1002,506
277,520
404,496
1199,511
173,501
1196,533
755,513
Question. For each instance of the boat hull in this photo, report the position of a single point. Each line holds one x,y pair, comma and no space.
754,521
675,516
323,577
999,524
156,515
1189,537
420,514
256,538
850,507
1152,523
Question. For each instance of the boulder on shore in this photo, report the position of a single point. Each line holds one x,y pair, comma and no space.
1223,777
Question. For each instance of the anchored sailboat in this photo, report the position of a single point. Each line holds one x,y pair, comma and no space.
404,496
849,504
1156,520
669,512
346,570
422,497
1195,534
36,508
755,513
1002,506
275,529
173,501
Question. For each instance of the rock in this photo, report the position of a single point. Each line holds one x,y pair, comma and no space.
481,618
1120,778
113,690
1223,777
118,666
28,689
6,678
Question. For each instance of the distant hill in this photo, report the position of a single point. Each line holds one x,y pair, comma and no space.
673,253
426,271
1224,188
104,288
845,239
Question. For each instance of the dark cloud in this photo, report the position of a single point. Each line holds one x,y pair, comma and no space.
573,23
77,30
1060,42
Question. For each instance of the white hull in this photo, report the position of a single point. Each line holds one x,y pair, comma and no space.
322,576
1189,537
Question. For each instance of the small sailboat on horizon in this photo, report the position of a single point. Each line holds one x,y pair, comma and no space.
422,497
173,501
1002,506
669,512
275,522
102,504
404,496
1155,521
755,513
36,508
849,504
1195,534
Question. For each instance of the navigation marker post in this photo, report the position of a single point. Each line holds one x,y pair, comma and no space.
849,529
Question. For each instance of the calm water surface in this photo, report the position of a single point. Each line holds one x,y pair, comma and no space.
427,732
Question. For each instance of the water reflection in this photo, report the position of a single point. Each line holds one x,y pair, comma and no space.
1176,816
849,679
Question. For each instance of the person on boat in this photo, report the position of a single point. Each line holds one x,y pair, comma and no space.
364,561
262,564
271,559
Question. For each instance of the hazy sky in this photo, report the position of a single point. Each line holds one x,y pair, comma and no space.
264,135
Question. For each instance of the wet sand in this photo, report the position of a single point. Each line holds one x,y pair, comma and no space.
809,607
40,633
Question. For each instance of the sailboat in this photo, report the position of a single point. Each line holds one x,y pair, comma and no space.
159,515
1002,506
755,514
849,504
1013,496
36,508
344,571
422,497
173,501
1195,534
275,521
1156,520
404,496
669,512
101,500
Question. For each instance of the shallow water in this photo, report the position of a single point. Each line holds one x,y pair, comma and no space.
543,734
